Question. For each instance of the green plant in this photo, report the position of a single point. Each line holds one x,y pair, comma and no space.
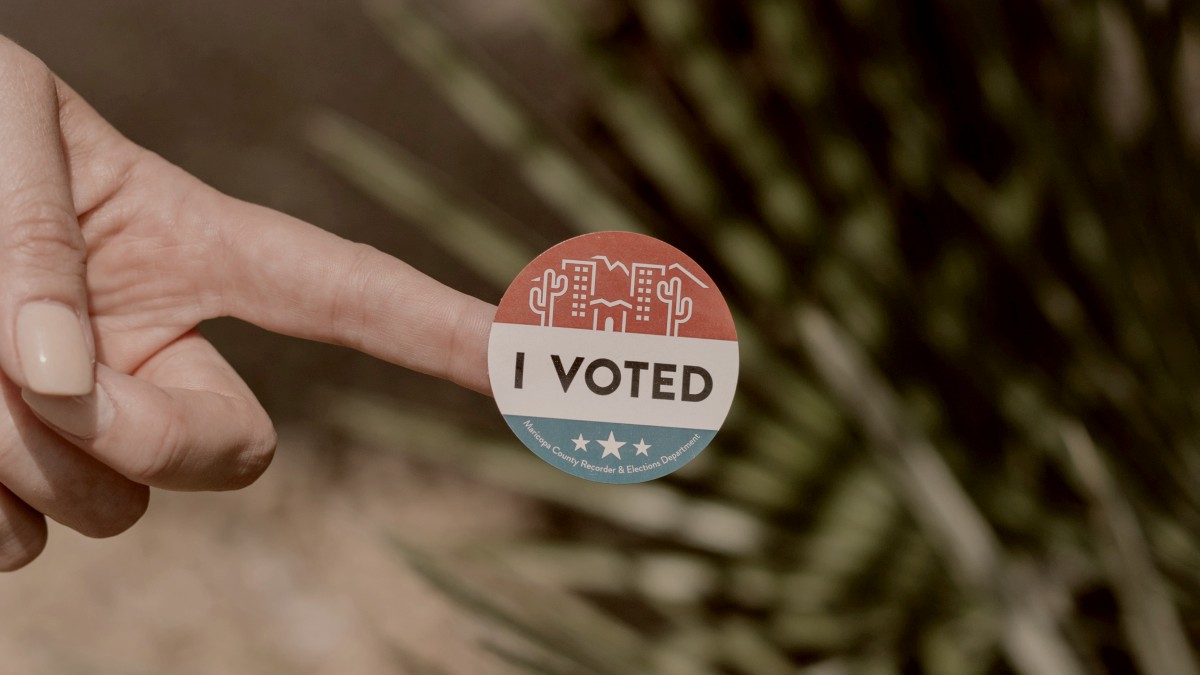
961,254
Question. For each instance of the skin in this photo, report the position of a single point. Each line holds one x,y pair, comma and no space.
144,252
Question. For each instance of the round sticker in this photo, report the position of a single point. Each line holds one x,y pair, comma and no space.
613,357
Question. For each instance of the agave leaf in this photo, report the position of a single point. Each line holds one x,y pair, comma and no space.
746,650
793,57
937,547
664,152
555,173
558,624
720,96
401,182
852,527
938,502
643,121
963,643
649,508
1150,618
527,664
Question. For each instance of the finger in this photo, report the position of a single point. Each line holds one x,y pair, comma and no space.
293,278
183,421
45,343
57,479
22,532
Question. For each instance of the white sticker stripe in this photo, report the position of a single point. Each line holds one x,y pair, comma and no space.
585,363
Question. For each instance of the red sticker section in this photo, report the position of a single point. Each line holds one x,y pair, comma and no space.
618,282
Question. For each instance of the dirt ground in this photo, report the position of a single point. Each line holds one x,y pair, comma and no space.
296,573
293,575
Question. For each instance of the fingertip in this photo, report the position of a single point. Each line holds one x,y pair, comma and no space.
115,513
214,437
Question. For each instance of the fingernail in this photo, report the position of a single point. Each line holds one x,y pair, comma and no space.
79,416
54,351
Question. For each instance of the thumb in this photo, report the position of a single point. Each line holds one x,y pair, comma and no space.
45,343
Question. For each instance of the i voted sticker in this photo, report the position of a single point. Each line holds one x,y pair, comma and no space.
614,357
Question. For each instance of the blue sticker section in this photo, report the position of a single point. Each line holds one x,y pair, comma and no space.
607,452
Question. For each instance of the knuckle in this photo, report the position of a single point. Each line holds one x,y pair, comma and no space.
45,236
159,457
348,312
464,330
44,232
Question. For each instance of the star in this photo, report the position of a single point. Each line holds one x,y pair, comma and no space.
611,446
580,444
642,447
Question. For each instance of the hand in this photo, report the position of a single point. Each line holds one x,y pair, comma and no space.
109,258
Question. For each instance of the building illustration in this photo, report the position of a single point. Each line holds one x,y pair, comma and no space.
600,294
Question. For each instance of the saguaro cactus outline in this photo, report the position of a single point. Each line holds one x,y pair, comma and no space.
541,297
679,307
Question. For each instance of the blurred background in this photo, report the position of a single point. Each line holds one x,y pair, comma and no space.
961,244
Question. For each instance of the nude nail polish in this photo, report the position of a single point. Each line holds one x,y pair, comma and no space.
53,350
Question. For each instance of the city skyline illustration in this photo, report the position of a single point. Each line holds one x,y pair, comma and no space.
598,293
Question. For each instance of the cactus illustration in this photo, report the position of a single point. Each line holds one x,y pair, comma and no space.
541,297
679,307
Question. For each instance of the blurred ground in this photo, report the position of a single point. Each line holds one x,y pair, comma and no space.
294,574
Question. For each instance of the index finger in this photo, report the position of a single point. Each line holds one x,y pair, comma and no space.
293,278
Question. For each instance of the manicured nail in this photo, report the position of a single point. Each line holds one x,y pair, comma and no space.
54,351
79,416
